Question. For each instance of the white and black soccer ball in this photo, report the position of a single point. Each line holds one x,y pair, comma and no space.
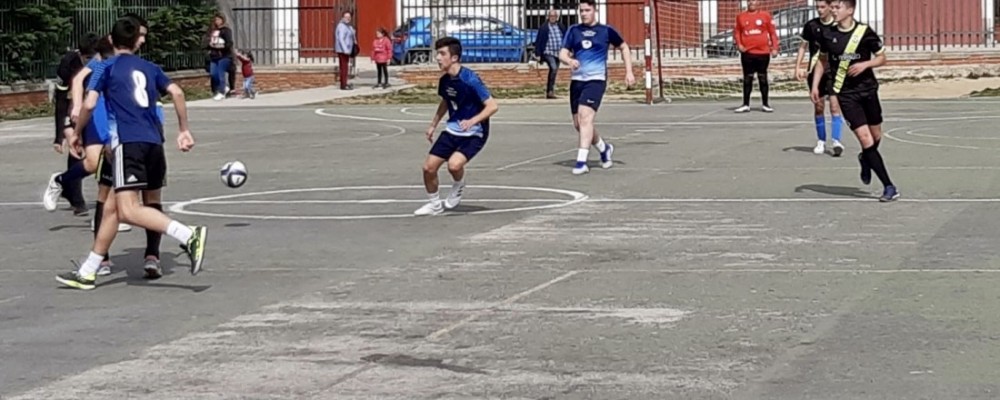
233,174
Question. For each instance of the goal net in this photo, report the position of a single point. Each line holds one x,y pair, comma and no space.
694,53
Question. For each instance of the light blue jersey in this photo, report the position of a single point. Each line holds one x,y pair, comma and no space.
590,46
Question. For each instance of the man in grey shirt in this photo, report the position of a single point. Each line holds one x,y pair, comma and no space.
547,46
345,46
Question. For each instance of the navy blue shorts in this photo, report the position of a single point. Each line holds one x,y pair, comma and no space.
448,144
91,137
588,93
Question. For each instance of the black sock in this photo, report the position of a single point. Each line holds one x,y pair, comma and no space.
153,237
874,159
98,216
875,146
747,88
764,87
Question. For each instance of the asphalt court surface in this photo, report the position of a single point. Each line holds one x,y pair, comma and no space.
718,259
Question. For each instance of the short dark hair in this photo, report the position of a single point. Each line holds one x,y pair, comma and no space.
849,3
824,1
86,43
126,33
142,21
105,48
592,3
454,46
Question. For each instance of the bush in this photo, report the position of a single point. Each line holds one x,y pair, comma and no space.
33,36
175,35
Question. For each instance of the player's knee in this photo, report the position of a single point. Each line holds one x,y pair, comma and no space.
90,164
430,168
456,167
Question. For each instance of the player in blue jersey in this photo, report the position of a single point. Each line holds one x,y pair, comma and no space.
128,84
585,49
469,105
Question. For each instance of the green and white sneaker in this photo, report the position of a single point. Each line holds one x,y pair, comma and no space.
74,280
195,248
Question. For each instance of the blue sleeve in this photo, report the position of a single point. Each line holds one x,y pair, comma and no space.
614,38
96,76
568,38
481,90
161,79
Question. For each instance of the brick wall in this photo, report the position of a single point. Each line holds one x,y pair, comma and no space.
783,68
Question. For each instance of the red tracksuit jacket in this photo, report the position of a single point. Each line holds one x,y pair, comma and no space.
756,32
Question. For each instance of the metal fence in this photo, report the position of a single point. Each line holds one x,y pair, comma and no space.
288,31
703,28
96,16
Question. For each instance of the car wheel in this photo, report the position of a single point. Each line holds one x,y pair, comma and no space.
419,57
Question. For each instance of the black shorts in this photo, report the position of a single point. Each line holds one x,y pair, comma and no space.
755,63
824,84
140,166
860,108
105,170
448,144
588,93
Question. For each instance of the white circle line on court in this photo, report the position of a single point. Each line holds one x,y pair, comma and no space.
180,208
916,132
889,135
323,112
556,203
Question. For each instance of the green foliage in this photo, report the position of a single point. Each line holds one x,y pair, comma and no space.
34,34
175,34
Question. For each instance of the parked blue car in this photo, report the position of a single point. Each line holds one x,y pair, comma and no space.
484,39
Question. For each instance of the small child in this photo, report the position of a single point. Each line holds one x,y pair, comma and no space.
246,60
381,54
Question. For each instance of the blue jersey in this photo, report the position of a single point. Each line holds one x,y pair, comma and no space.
100,120
590,46
466,96
131,87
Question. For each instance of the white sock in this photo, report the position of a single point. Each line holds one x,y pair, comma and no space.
459,183
91,264
601,146
581,155
179,231
435,197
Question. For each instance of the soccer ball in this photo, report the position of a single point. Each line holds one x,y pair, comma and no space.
233,174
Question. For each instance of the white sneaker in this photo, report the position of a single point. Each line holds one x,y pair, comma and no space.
766,109
820,147
742,109
123,227
219,97
606,160
51,197
431,208
455,197
104,270
838,148
581,170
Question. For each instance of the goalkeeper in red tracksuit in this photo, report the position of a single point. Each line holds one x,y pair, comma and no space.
757,40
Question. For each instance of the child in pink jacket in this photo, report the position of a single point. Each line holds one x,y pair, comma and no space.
381,54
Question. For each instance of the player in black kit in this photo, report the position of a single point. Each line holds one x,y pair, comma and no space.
810,35
853,49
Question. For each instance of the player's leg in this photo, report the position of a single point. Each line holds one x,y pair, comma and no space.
854,116
836,117
819,116
151,264
142,166
467,150
762,63
85,276
69,181
746,62
873,114
585,119
442,148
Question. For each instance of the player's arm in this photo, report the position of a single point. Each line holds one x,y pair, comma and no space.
564,53
869,42
490,107
77,91
436,119
738,35
180,106
616,40
775,40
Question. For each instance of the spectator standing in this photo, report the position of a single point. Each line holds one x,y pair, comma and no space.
381,55
757,40
346,41
220,47
547,46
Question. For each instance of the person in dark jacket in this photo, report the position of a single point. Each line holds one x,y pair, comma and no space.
547,46
220,46
71,64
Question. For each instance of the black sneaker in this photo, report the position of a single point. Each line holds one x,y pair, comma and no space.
195,248
866,171
74,280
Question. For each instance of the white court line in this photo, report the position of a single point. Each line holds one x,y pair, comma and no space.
323,112
11,299
649,130
508,301
914,133
699,116
889,135
533,160
378,201
790,200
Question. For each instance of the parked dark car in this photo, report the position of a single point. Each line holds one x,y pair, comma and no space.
787,21
484,39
